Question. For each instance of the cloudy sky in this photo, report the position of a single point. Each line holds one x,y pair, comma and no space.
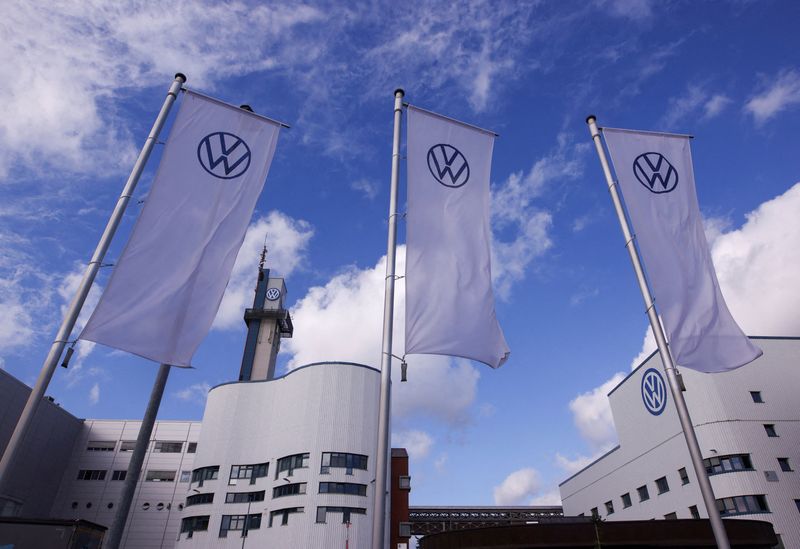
81,83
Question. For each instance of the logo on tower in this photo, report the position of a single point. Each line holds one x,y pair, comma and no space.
448,166
273,294
655,172
654,392
224,155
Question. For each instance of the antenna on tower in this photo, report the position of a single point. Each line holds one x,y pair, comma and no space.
263,259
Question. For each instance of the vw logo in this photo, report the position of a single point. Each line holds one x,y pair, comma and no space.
223,155
273,294
654,392
655,172
448,166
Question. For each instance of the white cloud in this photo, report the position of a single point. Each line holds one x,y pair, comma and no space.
365,186
715,105
592,414
67,290
777,94
550,497
630,9
287,241
94,394
517,487
195,393
696,102
417,443
441,463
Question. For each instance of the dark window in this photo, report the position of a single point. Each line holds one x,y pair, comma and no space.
684,475
251,472
244,497
742,505
342,460
192,448
644,495
127,446
289,490
626,500
349,488
205,473
198,499
160,476
797,503
595,512
290,463
346,512
186,476
770,429
725,464
101,446
785,465
119,475
695,513
195,524
165,447
671,516
239,522
91,474
283,515
662,485
756,396
609,507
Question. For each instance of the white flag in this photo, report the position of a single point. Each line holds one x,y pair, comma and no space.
657,180
449,300
168,283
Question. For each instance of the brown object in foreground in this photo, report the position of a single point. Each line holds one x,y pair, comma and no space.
25,533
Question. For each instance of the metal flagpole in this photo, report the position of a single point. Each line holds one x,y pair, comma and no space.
137,458
68,323
674,384
382,457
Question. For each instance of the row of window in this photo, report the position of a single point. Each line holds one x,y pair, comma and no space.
244,523
159,446
152,475
347,488
662,485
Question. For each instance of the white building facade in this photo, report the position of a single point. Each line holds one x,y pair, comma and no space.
747,423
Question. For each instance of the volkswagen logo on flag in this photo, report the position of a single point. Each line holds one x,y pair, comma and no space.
273,294
655,172
448,166
654,392
224,155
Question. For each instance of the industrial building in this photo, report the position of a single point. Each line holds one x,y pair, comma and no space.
748,425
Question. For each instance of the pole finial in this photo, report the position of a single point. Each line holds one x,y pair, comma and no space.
401,91
591,118
180,76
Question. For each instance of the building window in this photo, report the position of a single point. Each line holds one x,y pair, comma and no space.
662,485
167,447
186,476
756,396
797,503
595,513
160,476
626,500
342,460
770,429
205,473
239,522
644,495
404,482
742,505
346,512
609,507
283,515
349,488
127,446
694,512
192,448
244,497
785,465
101,446
289,490
725,464
91,474
684,475
251,472
671,516
290,463
198,499
119,475
195,524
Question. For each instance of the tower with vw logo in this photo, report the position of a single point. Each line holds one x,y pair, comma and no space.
748,426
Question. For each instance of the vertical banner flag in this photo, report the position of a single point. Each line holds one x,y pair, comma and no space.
168,283
449,300
657,180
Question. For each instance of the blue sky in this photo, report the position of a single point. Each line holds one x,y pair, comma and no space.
81,84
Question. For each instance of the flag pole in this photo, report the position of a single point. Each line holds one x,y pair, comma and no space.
382,456
71,316
669,366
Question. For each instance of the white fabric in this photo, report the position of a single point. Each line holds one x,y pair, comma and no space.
669,232
168,283
449,300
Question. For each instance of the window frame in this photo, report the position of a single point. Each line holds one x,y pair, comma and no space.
757,397
684,476
785,465
643,489
662,485
626,500
770,430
